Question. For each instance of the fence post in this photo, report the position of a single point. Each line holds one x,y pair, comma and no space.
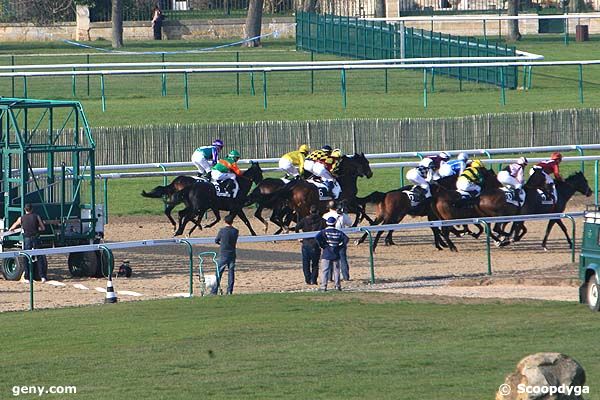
312,73
487,246
581,83
432,80
265,90
87,60
386,79
102,93
105,190
371,262
252,91
344,88
191,254
502,91
73,84
186,96
424,87
164,78
25,87
580,151
573,233
237,74
30,267
596,182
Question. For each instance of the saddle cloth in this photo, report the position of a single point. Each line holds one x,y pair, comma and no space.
416,197
544,198
227,188
324,193
511,196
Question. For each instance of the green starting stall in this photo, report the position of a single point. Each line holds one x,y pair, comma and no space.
48,161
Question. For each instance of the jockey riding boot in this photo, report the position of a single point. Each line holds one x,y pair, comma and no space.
329,185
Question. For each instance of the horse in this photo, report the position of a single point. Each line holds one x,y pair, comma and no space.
281,214
491,202
575,182
391,208
202,196
300,195
169,194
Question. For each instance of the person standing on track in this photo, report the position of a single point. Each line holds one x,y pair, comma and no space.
331,240
227,240
311,252
342,220
32,224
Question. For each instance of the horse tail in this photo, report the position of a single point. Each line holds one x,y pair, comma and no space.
373,198
159,191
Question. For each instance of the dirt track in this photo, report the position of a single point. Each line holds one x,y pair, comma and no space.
413,266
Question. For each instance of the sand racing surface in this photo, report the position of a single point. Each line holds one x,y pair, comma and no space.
412,267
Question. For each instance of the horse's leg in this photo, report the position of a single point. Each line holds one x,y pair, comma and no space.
520,231
438,242
184,217
446,235
217,219
258,215
243,217
388,239
168,209
562,227
377,221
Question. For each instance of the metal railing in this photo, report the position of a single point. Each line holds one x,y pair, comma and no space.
108,248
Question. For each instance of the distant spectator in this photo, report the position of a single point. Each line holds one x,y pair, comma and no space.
331,240
32,224
227,239
342,220
157,20
311,252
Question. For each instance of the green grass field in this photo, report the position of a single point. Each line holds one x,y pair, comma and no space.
292,346
138,100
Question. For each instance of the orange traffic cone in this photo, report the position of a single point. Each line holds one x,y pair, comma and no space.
111,296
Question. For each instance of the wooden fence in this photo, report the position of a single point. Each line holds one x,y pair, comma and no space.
176,142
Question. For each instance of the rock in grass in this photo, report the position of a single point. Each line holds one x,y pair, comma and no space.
536,375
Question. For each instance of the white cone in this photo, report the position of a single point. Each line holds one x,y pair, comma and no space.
111,296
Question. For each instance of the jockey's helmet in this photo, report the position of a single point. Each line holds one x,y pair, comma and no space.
444,156
326,148
556,156
426,162
304,149
218,143
234,154
522,161
462,157
337,153
477,164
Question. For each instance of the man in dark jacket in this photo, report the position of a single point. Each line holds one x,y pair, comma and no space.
227,239
310,248
331,240
32,225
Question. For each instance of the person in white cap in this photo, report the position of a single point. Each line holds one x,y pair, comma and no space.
331,240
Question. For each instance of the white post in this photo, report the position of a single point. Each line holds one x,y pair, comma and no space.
402,41
82,30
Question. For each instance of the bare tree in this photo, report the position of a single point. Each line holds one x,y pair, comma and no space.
117,23
513,24
309,6
42,12
379,8
254,23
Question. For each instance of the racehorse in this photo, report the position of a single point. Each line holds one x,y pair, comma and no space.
281,214
169,194
300,195
393,206
202,196
575,182
447,204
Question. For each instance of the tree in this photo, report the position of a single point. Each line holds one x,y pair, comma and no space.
379,8
513,24
117,23
253,23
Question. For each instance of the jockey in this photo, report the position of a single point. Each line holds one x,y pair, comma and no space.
320,163
421,176
293,162
439,166
205,157
471,179
512,175
456,166
550,167
227,168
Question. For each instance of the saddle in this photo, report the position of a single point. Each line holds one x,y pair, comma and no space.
514,196
325,192
416,194
467,199
545,197
226,188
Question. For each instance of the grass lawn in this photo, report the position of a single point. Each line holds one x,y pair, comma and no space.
300,346
137,100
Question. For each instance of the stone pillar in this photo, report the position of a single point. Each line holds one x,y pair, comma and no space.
82,31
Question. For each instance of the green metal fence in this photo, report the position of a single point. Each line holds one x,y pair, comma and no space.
358,38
